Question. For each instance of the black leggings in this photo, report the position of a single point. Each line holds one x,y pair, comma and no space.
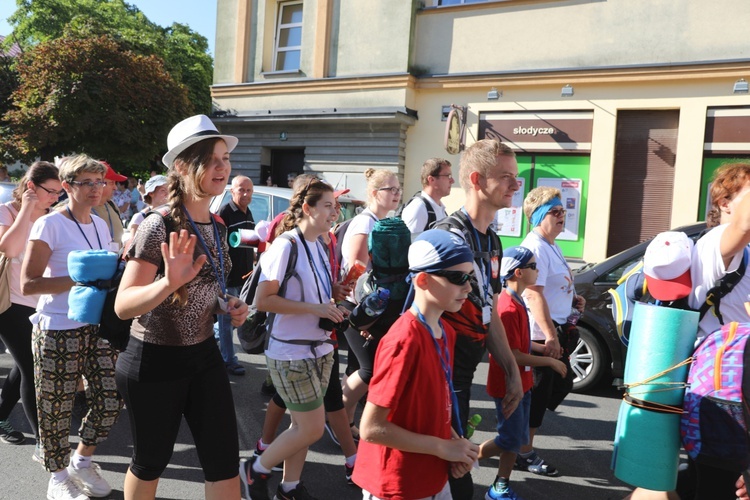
333,399
160,384
15,332
365,355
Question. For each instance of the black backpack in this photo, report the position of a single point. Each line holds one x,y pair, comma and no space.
111,327
256,329
431,217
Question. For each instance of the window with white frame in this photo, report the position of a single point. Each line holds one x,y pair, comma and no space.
288,45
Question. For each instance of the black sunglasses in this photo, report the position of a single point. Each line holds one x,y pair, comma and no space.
454,277
530,265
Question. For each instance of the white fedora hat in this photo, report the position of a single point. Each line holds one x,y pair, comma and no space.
188,132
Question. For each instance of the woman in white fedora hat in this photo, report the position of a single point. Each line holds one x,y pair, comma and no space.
172,366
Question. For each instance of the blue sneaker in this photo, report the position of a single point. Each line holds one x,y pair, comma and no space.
501,490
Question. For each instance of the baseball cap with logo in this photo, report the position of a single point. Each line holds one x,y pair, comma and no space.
666,265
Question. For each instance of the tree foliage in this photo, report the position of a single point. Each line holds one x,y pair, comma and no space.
8,83
90,95
185,52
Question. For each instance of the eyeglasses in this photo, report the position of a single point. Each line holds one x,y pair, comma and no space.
50,191
393,190
89,184
530,265
454,277
557,212
450,176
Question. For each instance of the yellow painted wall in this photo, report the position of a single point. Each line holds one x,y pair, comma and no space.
520,35
424,139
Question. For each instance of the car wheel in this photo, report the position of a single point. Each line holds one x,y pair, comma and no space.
588,361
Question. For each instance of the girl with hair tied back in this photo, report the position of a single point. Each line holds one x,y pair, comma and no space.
300,350
174,283
37,191
383,195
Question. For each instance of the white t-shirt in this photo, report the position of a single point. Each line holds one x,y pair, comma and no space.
555,276
706,268
7,215
273,263
361,224
415,213
63,236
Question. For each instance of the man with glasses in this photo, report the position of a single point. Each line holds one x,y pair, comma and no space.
488,173
425,209
236,215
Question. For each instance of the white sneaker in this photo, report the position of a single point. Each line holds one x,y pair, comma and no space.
67,490
91,481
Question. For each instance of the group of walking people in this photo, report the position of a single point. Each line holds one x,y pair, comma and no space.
467,297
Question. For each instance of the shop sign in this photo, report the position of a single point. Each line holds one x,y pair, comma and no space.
551,131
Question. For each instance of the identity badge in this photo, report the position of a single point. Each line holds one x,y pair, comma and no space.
495,263
223,304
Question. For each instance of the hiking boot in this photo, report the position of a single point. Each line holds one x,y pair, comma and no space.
66,490
91,481
331,434
298,493
536,465
349,471
254,484
501,491
9,435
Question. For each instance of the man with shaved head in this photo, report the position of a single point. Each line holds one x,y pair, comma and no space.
236,215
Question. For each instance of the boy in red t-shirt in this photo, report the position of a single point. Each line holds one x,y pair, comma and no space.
407,446
518,270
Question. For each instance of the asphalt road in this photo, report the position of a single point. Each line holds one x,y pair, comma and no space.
577,439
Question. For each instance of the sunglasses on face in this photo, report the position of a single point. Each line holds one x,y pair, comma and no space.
89,184
454,277
557,212
530,265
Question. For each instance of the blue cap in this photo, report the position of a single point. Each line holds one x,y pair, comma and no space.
514,258
437,249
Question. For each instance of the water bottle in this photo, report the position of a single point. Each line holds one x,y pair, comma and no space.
366,313
472,424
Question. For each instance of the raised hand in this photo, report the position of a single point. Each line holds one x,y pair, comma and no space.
179,266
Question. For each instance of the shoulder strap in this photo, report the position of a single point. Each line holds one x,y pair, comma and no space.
431,217
291,271
723,287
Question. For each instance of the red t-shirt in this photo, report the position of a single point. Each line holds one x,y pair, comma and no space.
409,380
516,322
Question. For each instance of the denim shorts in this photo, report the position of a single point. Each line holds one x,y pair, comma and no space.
513,432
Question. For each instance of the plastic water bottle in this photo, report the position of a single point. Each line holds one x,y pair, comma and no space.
366,313
472,424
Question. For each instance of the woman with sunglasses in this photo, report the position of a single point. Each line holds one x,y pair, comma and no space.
383,195
554,308
66,350
299,355
37,191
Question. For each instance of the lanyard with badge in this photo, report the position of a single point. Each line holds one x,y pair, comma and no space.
445,364
84,234
491,268
223,300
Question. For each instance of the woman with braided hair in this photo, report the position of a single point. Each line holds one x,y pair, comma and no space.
300,350
172,366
